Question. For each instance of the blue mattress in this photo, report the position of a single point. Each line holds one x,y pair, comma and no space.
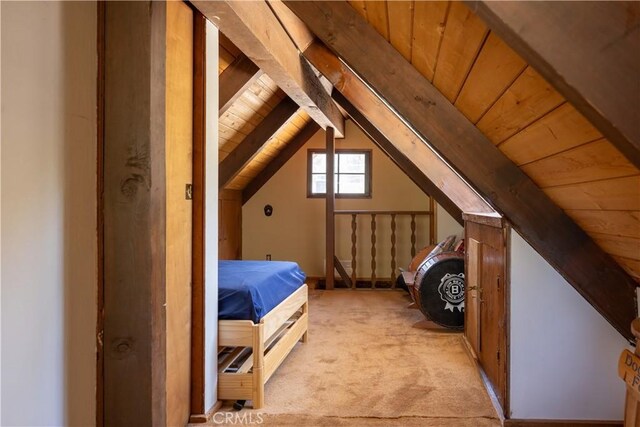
250,289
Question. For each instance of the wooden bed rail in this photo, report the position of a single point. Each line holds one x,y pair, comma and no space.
375,214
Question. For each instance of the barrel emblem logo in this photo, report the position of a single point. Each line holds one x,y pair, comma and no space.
451,291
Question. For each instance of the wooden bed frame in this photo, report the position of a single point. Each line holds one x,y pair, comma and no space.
243,371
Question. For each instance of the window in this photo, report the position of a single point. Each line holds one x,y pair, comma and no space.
352,173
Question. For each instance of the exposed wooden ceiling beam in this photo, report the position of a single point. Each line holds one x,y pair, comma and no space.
589,51
252,26
394,129
280,160
593,273
234,80
253,143
410,169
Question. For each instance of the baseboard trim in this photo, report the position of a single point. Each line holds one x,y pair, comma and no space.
204,418
561,423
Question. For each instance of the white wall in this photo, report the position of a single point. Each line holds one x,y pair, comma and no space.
296,231
564,355
446,225
49,262
211,223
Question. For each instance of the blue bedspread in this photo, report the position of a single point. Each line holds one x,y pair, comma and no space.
250,289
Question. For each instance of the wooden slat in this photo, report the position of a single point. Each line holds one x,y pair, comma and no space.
279,315
622,246
494,71
254,28
378,18
527,99
235,333
330,221
251,145
463,37
235,80
429,19
561,40
610,194
409,168
394,129
283,157
281,349
620,223
590,162
560,130
400,15
545,226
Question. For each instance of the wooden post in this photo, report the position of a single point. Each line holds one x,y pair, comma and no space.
135,214
393,250
330,207
373,250
354,250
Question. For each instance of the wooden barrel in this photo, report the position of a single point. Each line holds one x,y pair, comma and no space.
439,289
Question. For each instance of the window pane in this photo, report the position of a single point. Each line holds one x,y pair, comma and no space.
318,184
352,163
318,163
351,184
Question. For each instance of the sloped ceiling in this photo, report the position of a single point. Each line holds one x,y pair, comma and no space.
506,99
531,123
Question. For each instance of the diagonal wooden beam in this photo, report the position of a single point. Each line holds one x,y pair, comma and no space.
396,130
593,273
252,26
253,143
234,80
281,159
589,51
410,169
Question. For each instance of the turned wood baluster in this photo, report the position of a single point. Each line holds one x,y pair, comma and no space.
373,250
393,250
413,235
354,227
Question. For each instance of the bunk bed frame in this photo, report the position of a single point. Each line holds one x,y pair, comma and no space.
249,353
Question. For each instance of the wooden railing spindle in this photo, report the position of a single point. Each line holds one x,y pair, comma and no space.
354,229
396,240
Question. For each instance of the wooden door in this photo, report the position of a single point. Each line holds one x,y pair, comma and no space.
486,326
179,172
492,317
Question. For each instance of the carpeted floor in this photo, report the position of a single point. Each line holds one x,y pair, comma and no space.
365,365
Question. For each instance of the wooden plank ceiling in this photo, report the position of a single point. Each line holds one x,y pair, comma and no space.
515,108
507,100
247,112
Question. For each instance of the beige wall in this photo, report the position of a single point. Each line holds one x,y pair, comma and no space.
296,230
49,261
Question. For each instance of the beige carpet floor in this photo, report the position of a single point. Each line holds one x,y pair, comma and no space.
365,365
